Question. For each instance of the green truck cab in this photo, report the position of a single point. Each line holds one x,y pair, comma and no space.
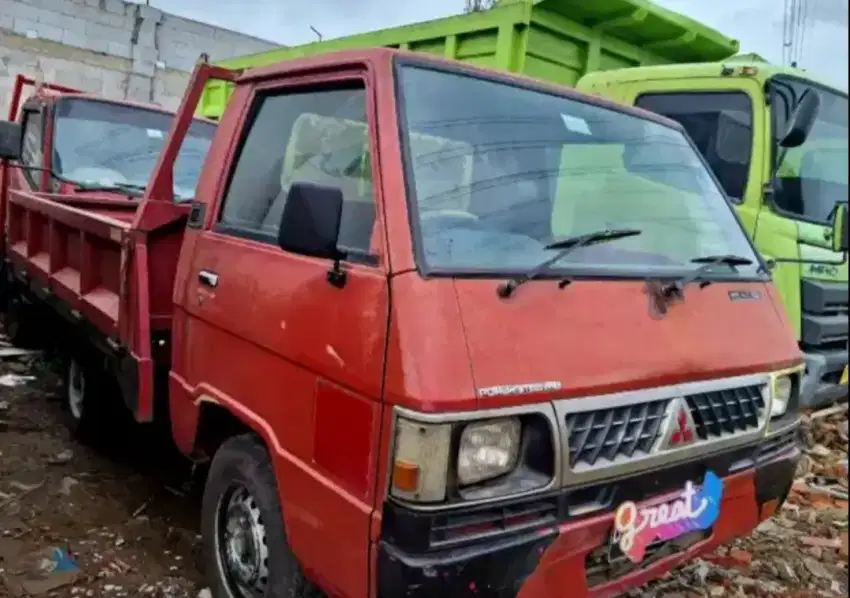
733,106
792,200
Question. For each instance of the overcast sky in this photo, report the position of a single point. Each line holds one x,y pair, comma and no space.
756,23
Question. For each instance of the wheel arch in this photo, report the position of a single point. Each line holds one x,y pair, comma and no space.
217,424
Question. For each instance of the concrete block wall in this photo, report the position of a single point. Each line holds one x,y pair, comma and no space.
111,47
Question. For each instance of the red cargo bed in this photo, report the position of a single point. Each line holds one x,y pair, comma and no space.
88,258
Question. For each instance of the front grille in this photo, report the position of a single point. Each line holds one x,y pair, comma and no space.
455,529
778,444
615,432
602,436
724,412
825,315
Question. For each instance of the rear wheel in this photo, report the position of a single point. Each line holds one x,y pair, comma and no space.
92,402
245,547
21,324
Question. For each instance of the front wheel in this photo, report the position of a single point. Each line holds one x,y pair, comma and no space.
245,548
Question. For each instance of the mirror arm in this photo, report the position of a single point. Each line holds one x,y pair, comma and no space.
834,209
337,276
771,263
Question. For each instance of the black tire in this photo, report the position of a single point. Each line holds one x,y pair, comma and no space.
88,401
21,324
243,463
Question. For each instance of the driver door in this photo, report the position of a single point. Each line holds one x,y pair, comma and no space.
266,332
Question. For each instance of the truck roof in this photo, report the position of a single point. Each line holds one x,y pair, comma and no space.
386,55
52,93
762,69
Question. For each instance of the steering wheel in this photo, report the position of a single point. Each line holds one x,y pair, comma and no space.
448,218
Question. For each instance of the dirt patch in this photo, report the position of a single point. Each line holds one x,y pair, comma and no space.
95,522
120,520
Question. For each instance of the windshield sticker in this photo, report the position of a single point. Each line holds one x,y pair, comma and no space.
519,389
696,509
575,124
155,133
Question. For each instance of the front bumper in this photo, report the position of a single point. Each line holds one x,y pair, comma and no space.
563,558
820,382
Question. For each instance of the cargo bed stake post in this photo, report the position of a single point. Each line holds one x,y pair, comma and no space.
160,187
156,209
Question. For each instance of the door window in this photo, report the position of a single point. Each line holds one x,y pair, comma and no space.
310,135
32,152
721,126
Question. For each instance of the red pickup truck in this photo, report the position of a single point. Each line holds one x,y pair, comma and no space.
438,331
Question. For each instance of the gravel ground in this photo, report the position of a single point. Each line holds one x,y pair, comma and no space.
120,513
126,517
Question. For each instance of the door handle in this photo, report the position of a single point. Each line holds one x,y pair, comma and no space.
208,278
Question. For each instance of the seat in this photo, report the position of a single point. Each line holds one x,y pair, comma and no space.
332,152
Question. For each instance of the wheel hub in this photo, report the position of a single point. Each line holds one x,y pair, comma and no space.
76,390
242,544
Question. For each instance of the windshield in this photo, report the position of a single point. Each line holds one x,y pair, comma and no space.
812,177
102,143
500,171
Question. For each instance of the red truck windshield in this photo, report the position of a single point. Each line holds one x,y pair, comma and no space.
103,143
500,171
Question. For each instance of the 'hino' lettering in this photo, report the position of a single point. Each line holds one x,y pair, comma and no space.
519,389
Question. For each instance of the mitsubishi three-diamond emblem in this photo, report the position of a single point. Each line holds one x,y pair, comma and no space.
679,428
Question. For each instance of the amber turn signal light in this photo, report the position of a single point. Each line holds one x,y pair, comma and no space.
405,475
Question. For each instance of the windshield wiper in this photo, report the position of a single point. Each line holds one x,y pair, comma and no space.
677,287
566,246
130,188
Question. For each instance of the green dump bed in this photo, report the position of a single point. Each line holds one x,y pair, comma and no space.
554,40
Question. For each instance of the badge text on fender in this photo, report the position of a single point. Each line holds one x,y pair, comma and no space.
696,509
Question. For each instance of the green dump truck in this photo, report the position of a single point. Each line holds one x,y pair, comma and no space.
736,108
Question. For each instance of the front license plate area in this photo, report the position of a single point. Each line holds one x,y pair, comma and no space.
640,531
608,563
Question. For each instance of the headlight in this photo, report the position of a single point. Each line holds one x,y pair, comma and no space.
783,389
450,461
488,450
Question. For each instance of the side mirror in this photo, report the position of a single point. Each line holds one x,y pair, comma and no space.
11,138
802,120
839,228
311,221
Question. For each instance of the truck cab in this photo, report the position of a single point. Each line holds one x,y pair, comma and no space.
80,144
88,151
792,200
439,330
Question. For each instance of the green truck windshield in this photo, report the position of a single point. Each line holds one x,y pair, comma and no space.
812,177
105,143
496,171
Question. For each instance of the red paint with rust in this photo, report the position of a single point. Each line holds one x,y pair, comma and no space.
316,376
